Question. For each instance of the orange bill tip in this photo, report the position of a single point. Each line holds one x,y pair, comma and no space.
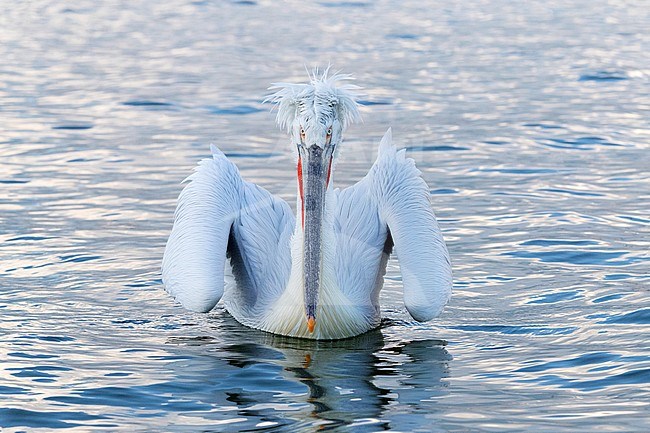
311,322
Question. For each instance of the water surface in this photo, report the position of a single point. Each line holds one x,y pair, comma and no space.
529,122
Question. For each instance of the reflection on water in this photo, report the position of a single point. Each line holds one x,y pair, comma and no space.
284,381
528,121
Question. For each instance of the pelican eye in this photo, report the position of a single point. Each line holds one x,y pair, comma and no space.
329,132
302,134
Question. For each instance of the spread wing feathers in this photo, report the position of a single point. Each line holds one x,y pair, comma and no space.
260,252
219,214
193,263
361,241
404,206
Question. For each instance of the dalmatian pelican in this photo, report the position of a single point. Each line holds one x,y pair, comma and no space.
318,274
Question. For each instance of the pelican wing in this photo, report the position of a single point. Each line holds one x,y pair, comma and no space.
219,215
403,201
260,253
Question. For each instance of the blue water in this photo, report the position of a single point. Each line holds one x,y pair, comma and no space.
529,121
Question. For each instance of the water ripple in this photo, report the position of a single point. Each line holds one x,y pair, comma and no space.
638,317
74,127
586,359
552,298
237,110
146,103
604,76
580,143
511,329
577,257
14,417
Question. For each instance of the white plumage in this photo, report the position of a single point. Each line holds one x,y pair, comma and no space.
327,264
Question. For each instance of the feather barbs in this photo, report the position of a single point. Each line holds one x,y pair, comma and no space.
326,97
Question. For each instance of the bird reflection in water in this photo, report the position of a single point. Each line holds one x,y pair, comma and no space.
361,381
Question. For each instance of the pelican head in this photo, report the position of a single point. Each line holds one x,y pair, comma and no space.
315,115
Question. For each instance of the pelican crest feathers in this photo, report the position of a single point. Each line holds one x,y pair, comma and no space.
325,96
